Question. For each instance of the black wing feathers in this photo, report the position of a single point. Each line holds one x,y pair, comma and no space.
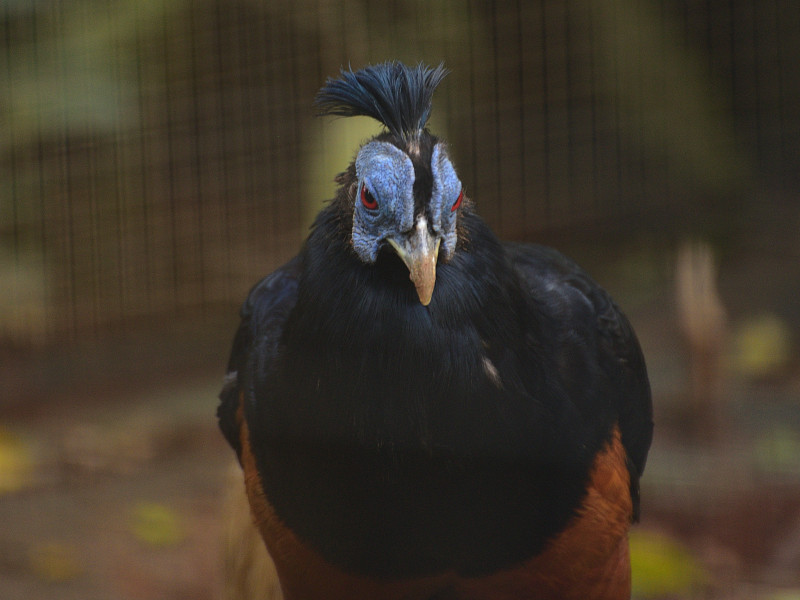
263,316
550,275
392,93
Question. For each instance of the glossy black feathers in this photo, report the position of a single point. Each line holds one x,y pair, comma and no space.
396,95
402,440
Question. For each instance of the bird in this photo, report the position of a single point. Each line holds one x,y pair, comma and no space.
422,411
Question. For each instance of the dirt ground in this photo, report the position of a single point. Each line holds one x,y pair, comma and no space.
114,473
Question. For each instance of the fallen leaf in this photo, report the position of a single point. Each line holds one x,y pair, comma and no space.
762,346
156,525
662,567
16,462
55,561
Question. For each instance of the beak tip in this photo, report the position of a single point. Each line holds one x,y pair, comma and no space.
424,280
419,253
425,300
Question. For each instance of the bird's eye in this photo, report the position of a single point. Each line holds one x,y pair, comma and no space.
367,199
457,203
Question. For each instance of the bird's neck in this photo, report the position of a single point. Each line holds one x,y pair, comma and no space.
402,412
360,340
354,303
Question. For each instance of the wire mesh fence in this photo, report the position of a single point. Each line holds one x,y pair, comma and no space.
158,157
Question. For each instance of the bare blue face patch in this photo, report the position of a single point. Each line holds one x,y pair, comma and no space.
388,174
387,210
446,190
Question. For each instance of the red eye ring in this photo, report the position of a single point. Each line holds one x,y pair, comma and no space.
367,199
457,203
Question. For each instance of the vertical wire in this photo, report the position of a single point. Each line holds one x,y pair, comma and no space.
197,158
118,168
782,121
473,90
546,113
90,176
171,167
642,175
498,183
318,43
368,32
593,100
445,16
244,48
56,313
732,48
757,85
13,175
617,107
570,105
523,129
69,188
669,168
297,126
277,177
222,135
142,143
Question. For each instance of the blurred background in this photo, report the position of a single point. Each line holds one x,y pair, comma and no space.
158,157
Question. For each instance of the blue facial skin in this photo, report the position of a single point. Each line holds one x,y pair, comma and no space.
388,174
446,189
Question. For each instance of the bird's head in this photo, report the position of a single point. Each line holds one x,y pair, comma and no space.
404,191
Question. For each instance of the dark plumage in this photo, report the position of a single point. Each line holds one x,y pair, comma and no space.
405,439
397,96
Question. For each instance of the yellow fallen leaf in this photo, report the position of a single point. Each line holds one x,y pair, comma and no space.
784,595
156,525
55,561
16,462
778,449
762,346
662,567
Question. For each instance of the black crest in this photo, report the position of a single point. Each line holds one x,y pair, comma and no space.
394,94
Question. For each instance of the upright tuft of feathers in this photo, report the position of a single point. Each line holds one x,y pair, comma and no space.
394,94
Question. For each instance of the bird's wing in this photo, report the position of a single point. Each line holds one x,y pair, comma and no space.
587,312
263,317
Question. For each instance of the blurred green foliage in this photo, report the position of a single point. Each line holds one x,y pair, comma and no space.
762,346
162,154
662,567
73,68
156,525
55,561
